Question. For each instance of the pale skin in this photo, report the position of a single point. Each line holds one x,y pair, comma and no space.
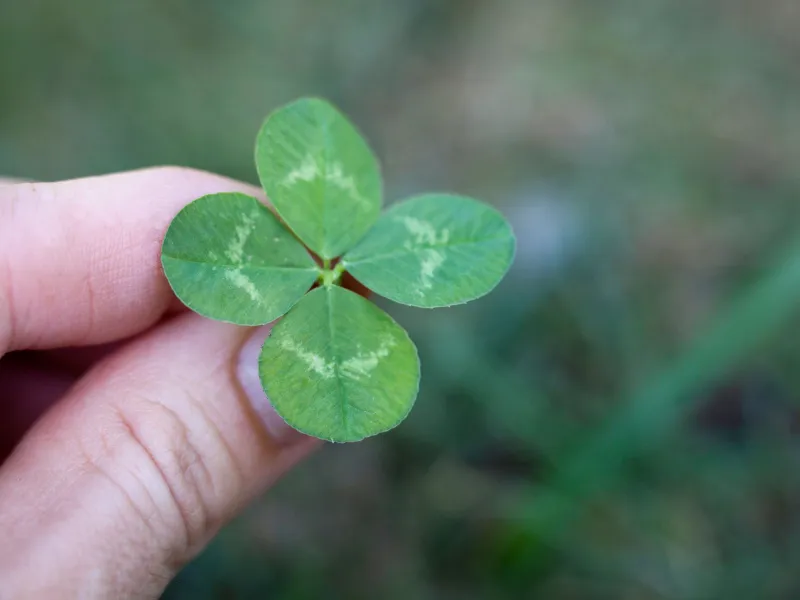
151,430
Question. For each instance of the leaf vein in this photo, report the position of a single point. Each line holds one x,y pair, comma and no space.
407,251
256,267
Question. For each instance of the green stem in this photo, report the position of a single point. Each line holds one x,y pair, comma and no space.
330,276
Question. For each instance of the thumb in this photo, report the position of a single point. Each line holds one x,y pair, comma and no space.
132,473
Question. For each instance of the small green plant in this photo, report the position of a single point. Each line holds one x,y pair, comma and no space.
336,366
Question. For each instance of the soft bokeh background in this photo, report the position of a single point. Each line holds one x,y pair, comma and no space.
620,418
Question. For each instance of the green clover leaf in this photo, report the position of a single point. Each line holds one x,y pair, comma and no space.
336,366
339,368
434,250
228,258
319,174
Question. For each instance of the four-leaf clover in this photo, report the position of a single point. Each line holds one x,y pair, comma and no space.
335,366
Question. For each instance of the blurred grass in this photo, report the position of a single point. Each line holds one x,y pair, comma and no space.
642,422
619,419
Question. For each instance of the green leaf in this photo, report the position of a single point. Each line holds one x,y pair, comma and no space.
227,257
339,368
434,250
319,174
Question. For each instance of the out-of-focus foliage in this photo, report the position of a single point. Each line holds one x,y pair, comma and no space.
620,418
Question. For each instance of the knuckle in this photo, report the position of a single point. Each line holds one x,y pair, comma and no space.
172,482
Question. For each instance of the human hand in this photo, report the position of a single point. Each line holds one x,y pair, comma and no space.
154,430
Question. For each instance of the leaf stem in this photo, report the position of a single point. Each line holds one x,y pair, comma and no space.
330,277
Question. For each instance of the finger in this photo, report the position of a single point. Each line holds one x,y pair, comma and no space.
80,260
126,478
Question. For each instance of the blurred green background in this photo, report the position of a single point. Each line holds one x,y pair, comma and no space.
620,418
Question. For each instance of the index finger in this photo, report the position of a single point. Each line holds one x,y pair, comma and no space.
80,260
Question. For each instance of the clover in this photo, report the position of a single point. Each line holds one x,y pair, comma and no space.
335,366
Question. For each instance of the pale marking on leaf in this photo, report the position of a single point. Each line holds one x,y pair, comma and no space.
336,176
432,260
424,233
307,171
362,365
243,282
314,361
235,251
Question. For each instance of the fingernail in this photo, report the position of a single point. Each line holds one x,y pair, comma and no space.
250,381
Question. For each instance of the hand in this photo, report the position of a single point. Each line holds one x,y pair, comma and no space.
154,430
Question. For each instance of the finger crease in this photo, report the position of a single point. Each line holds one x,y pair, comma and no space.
95,466
183,514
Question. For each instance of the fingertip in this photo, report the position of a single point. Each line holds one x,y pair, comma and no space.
82,258
247,371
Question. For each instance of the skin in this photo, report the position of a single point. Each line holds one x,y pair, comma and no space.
131,429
